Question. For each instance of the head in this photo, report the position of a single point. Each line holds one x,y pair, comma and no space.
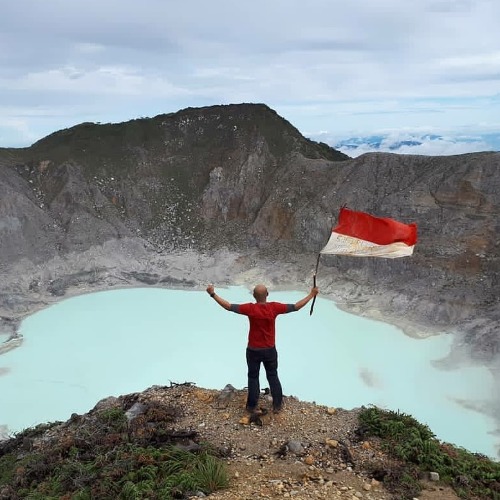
260,293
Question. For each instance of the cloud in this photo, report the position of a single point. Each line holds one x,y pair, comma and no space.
103,80
16,131
323,65
4,432
415,143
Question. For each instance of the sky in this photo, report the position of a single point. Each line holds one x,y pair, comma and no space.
335,70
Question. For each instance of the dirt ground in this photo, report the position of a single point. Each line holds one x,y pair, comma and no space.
307,451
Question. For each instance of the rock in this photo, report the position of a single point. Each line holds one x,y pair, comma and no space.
332,443
27,444
147,278
75,417
295,447
245,420
136,410
106,403
226,395
191,446
433,476
6,493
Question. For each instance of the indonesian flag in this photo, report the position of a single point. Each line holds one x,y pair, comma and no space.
359,234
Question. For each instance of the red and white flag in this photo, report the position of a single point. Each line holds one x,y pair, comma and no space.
360,234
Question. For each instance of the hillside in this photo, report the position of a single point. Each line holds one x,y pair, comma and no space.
134,447
237,193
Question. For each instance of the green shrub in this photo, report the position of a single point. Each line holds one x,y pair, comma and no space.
471,475
7,466
115,418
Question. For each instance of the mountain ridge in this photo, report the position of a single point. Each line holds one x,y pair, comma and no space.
87,205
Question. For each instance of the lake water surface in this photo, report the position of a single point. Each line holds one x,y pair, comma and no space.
110,343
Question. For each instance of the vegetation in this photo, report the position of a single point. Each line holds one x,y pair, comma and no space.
471,475
133,448
126,472
191,135
313,149
106,458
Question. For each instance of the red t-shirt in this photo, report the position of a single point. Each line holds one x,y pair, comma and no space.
262,316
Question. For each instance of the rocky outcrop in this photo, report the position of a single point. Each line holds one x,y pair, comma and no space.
125,444
100,204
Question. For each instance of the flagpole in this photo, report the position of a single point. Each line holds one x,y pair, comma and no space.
314,277
314,284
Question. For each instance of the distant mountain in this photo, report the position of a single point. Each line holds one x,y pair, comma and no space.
414,143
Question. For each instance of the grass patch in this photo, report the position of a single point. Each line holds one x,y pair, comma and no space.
7,466
114,418
125,472
471,475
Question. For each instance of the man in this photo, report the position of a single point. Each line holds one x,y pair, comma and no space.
261,340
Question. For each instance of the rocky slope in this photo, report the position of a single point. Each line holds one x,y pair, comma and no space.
234,194
118,449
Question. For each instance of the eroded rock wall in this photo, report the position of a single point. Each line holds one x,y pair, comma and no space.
86,201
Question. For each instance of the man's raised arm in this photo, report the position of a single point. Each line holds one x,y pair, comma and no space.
222,302
301,303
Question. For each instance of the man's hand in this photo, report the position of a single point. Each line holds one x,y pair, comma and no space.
301,303
222,302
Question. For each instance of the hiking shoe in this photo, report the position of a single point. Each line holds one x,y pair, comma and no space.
256,411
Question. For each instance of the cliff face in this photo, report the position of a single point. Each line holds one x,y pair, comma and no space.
241,178
170,178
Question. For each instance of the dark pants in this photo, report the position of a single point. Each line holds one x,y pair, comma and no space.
269,357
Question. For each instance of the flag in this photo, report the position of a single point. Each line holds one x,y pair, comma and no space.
360,234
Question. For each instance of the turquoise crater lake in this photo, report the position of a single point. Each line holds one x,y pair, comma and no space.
93,346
